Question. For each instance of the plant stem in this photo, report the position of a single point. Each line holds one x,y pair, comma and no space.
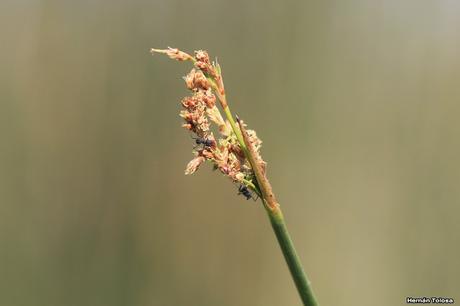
259,183
292,259
265,192
218,86
278,224
237,132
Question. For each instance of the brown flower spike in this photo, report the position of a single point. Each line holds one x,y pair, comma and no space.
201,114
235,151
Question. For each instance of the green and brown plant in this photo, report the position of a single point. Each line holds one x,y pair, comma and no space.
234,150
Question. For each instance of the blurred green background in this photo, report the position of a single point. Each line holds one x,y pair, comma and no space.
358,105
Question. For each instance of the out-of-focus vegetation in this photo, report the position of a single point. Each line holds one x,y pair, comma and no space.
358,105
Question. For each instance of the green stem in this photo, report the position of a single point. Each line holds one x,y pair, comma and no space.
292,259
264,190
236,130
228,114
253,187
243,146
279,226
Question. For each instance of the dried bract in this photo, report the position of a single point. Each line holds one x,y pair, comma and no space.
196,80
173,53
194,164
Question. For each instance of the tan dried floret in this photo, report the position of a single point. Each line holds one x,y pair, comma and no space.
196,80
215,116
202,56
204,64
195,116
207,97
207,154
173,53
189,102
194,164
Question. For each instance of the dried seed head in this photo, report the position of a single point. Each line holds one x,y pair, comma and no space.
202,56
194,115
203,63
207,97
215,116
196,80
173,53
189,102
193,165
256,142
200,110
187,126
190,79
207,154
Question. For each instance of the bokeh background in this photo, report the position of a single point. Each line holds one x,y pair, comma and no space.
358,106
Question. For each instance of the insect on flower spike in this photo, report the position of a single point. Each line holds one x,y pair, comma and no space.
235,152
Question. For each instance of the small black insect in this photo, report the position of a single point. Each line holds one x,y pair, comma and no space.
206,142
246,192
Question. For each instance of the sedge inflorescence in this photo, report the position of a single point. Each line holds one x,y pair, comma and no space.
232,149
216,139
